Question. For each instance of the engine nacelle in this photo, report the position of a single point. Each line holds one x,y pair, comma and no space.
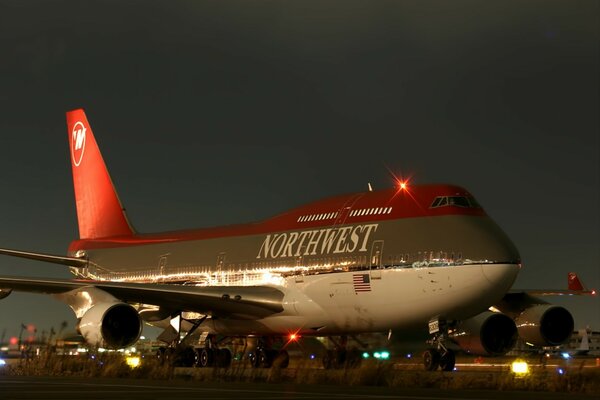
545,325
488,333
4,293
112,325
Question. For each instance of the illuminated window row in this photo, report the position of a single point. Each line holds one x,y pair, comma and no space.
317,217
370,211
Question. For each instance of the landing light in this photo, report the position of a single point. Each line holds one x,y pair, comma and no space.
133,362
566,356
2,362
520,367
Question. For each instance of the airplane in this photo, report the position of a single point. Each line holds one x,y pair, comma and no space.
371,261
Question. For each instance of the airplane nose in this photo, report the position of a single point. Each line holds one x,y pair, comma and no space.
501,275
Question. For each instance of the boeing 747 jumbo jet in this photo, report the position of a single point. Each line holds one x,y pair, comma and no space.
374,261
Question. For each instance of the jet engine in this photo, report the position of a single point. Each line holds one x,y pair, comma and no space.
545,325
486,334
112,325
4,293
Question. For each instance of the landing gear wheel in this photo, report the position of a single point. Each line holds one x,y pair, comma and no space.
261,358
160,355
431,359
223,359
169,356
206,358
282,359
264,358
184,357
328,359
334,359
353,358
447,361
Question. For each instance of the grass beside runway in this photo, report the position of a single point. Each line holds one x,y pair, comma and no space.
578,376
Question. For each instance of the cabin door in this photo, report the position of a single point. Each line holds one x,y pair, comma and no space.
376,260
162,263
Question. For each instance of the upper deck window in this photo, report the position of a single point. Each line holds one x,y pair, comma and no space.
457,201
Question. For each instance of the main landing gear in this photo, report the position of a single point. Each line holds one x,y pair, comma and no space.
182,355
438,356
341,356
264,356
212,356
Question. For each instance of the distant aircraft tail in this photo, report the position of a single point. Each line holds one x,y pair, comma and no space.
574,282
99,211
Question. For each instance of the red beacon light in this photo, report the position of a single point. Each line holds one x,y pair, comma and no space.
402,185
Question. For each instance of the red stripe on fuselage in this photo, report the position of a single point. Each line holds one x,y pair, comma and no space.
414,202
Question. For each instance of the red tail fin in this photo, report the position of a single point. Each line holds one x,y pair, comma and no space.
574,282
99,210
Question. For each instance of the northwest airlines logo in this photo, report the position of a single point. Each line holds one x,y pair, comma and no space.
78,142
318,242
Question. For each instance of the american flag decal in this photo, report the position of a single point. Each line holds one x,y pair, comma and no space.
362,283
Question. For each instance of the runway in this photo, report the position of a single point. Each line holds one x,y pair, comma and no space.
50,388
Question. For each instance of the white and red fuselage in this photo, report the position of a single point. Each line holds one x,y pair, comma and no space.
361,262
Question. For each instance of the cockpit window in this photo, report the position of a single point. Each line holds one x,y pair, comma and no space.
457,201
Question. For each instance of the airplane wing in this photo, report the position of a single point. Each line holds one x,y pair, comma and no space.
249,302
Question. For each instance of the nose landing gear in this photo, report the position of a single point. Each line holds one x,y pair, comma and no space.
438,356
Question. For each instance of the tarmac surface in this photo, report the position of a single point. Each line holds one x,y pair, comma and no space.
50,388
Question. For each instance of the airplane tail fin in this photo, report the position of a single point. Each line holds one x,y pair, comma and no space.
574,282
99,210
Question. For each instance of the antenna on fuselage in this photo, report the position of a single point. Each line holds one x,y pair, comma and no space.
370,188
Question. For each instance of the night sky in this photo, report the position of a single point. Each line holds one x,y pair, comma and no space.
219,112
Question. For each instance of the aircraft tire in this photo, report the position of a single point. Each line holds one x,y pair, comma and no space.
264,358
282,359
223,359
431,359
328,359
353,358
169,356
448,361
206,357
160,355
185,357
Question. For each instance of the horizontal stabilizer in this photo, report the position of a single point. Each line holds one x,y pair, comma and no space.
70,261
574,285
